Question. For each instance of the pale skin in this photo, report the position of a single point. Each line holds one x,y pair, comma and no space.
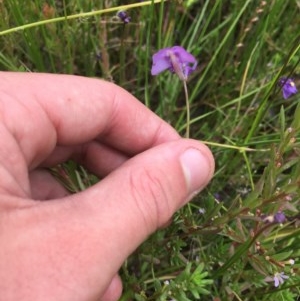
71,247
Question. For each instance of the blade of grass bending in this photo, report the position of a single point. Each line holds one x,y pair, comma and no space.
80,15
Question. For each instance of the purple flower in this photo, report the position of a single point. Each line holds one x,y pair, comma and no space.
279,217
279,278
288,87
124,16
175,59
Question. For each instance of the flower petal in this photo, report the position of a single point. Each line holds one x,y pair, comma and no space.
189,69
286,93
183,55
284,276
279,217
161,61
276,281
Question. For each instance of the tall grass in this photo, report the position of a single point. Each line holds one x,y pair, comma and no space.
225,247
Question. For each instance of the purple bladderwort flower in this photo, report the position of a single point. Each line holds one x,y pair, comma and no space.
175,59
124,16
288,87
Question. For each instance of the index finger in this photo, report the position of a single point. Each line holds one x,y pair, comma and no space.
70,110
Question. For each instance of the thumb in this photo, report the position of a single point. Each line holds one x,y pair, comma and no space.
85,238
142,194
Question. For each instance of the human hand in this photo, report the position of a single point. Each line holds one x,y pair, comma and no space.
70,248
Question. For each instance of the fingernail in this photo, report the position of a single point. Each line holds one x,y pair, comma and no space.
196,168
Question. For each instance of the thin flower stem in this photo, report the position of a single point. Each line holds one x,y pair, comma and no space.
188,114
187,133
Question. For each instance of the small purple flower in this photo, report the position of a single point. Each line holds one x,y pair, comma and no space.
279,217
124,16
288,87
279,278
175,59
